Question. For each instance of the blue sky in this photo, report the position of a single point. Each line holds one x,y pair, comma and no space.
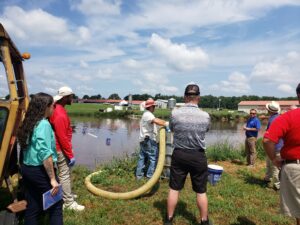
228,47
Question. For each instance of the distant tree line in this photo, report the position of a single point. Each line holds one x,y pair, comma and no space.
207,101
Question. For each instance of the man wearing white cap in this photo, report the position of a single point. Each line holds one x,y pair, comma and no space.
148,144
61,124
272,172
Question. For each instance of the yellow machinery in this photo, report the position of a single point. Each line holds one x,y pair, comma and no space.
12,109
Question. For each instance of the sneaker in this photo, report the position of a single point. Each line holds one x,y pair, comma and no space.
74,206
206,222
74,196
168,221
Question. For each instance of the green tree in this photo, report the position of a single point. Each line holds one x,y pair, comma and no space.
114,96
95,96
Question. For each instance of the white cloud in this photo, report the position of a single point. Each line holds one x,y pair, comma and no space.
237,83
154,78
99,7
83,89
284,69
168,89
131,63
50,90
83,64
84,34
105,74
38,27
81,77
177,17
286,88
154,83
179,55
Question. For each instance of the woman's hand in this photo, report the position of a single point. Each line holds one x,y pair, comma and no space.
55,186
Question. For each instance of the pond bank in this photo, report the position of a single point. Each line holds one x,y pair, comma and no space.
99,111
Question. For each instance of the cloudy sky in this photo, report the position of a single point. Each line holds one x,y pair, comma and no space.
228,47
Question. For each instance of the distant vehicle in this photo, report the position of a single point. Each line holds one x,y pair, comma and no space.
12,112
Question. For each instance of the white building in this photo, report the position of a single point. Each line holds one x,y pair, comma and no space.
161,103
260,106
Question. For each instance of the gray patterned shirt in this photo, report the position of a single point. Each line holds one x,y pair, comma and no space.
189,124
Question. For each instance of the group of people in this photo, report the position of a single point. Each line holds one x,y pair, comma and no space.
45,139
189,125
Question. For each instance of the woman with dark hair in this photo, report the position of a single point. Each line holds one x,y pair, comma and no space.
36,139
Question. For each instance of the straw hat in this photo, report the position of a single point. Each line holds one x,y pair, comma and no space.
273,107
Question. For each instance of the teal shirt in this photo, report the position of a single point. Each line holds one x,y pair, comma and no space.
41,146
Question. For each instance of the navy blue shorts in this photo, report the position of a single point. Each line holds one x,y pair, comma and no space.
186,161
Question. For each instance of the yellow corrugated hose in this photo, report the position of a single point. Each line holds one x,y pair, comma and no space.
141,190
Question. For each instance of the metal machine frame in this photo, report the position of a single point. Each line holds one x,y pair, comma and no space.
15,108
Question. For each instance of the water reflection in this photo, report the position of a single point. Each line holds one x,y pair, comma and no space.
99,140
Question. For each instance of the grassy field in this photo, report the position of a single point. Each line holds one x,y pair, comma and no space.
240,198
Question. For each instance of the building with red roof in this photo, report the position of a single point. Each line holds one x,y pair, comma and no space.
260,106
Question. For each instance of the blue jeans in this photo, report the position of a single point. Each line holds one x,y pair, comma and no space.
148,153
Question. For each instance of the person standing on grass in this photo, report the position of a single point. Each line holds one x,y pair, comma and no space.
272,172
61,124
287,127
148,144
37,143
251,129
189,125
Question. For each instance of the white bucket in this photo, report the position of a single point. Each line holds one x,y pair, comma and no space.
214,173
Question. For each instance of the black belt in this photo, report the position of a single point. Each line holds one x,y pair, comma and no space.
192,150
288,161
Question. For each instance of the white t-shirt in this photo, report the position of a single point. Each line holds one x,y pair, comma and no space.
146,127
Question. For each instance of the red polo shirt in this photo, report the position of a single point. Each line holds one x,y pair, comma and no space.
287,127
63,131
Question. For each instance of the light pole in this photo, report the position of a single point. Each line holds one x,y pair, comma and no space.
220,103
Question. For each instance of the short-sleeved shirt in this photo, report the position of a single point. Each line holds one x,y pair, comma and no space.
252,122
147,128
189,124
279,145
41,146
287,127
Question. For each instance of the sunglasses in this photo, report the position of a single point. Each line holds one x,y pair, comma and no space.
252,113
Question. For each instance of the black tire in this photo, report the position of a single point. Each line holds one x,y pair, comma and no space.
8,218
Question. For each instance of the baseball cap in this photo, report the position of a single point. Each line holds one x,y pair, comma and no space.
192,89
62,92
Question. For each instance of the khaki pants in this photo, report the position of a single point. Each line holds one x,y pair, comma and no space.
290,190
272,172
64,176
250,148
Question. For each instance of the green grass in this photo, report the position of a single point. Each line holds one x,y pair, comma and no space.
240,198
222,151
95,110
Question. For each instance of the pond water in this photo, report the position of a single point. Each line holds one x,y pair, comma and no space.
100,140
